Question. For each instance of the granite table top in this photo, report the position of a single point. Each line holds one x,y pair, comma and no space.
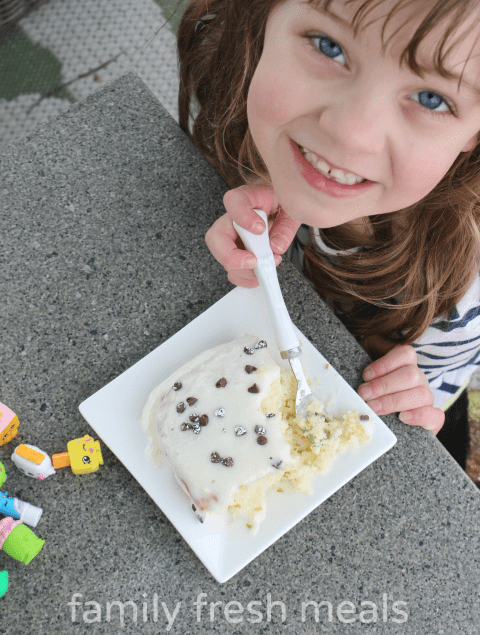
103,213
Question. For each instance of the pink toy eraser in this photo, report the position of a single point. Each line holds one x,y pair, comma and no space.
8,424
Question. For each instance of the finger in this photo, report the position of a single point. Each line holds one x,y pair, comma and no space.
242,282
427,417
402,401
403,378
246,277
249,274
401,355
220,239
241,202
282,232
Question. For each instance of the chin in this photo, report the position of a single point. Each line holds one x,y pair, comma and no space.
307,211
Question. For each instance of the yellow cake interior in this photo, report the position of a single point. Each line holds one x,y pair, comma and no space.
315,442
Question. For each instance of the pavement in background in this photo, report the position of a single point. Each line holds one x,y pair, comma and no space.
64,50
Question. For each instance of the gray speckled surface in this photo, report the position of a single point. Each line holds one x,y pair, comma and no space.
103,213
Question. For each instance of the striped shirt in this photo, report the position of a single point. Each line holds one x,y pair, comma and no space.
448,352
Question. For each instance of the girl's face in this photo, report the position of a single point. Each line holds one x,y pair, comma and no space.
355,109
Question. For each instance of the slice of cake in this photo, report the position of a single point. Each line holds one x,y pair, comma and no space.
226,423
207,420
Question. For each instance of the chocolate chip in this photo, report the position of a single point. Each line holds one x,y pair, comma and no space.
250,369
270,415
254,388
215,457
180,407
261,440
194,508
220,412
240,430
191,426
194,417
177,385
364,417
260,430
191,400
221,383
248,350
228,461
261,344
203,420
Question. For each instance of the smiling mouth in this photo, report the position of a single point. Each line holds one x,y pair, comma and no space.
334,174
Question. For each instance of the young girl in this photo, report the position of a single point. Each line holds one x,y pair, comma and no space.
353,123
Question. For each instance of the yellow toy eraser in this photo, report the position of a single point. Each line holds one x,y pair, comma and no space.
8,424
85,455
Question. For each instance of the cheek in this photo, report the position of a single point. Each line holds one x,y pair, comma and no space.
421,173
268,102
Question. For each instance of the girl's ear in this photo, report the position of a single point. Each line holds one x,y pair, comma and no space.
470,144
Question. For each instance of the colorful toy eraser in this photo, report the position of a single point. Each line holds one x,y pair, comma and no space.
3,474
19,510
18,541
8,424
3,583
85,455
32,461
60,460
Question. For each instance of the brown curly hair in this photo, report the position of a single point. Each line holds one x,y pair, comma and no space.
409,273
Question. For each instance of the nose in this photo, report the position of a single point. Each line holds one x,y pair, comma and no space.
357,120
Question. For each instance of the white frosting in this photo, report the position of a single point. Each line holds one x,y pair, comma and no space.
212,486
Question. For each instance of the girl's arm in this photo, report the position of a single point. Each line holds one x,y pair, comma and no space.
224,242
394,383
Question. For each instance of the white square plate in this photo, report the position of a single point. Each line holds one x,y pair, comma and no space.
114,412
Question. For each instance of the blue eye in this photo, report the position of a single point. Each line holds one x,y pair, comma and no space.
432,100
427,98
328,47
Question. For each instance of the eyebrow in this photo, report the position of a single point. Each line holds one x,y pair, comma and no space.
449,75
428,69
337,18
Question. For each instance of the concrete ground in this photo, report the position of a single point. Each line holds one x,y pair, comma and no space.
64,50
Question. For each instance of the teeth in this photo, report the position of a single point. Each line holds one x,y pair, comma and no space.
345,178
321,165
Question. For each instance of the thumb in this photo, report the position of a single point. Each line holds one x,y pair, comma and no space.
282,232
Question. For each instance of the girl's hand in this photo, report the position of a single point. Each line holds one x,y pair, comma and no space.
225,244
394,383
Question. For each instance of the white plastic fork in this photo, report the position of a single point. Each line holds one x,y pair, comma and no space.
287,340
